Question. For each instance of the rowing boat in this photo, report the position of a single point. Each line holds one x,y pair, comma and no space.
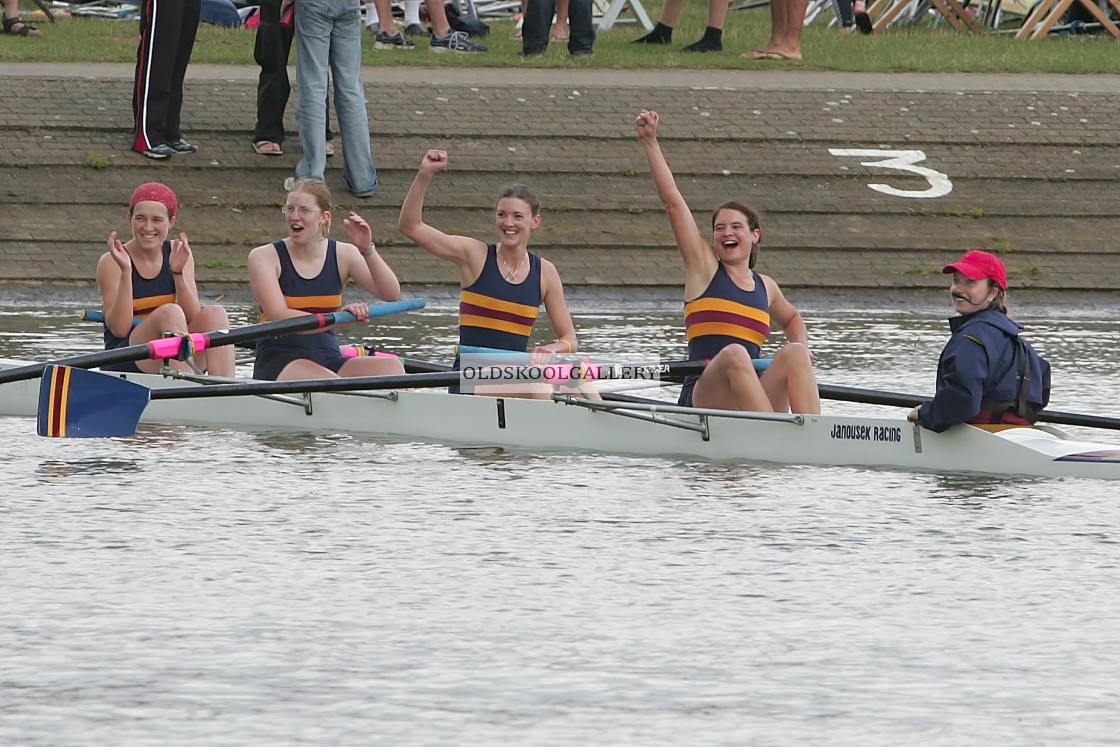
568,424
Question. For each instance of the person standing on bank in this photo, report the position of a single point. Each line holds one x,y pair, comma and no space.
167,32
537,26
729,307
273,43
987,373
329,38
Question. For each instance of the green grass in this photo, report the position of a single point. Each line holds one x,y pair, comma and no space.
915,48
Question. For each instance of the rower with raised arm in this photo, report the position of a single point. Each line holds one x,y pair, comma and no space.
503,284
987,373
151,277
305,274
729,307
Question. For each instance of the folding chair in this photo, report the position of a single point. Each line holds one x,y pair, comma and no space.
1049,12
609,13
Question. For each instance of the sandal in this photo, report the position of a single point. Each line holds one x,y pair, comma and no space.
25,28
267,148
330,150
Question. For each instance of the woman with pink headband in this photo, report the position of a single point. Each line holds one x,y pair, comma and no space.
150,277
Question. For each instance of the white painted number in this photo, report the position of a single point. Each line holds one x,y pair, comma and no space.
903,160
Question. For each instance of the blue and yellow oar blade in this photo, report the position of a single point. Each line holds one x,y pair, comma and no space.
76,403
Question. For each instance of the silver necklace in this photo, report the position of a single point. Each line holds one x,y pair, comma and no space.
510,273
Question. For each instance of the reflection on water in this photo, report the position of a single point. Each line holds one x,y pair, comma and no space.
200,586
53,469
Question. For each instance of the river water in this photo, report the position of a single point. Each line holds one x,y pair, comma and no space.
193,586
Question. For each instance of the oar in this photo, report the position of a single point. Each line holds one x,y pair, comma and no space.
349,351
182,347
896,399
75,403
514,356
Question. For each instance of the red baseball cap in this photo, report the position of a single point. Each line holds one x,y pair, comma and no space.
155,192
978,265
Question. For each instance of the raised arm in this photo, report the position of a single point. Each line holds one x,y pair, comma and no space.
469,254
361,261
698,256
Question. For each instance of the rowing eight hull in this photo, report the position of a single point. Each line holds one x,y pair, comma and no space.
539,425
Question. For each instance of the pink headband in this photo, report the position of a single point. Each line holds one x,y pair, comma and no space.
155,192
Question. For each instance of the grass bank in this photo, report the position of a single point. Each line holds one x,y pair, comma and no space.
912,48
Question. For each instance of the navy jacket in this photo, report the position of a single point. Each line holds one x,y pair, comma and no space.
981,364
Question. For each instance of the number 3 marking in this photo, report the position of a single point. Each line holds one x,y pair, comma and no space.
903,160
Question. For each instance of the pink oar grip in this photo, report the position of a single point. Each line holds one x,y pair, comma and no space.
566,372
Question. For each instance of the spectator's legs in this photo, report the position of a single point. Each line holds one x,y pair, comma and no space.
314,26
560,27
787,18
536,27
19,28
157,68
188,29
350,100
663,32
273,43
379,16
582,22
437,15
712,41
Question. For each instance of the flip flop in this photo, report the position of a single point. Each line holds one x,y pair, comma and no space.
758,54
330,150
267,148
780,56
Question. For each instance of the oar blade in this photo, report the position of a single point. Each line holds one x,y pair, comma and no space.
76,403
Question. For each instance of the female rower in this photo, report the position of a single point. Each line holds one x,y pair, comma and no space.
305,274
987,373
503,284
151,277
729,307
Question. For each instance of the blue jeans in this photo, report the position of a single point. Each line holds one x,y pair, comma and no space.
537,26
329,36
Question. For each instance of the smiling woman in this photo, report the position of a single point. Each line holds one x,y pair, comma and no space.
151,278
503,284
305,274
729,307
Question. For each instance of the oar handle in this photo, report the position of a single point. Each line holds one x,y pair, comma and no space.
97,315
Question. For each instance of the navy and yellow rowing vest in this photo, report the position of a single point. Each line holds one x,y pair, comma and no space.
320,294
725,314
495,313
148,294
